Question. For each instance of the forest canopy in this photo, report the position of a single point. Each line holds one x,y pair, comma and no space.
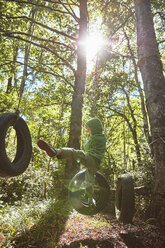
63,62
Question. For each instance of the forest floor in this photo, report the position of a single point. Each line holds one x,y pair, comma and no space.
79,231
103,231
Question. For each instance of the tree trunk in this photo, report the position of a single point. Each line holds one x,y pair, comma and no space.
143,106
15,54
79,88
154,87
27,51
133,128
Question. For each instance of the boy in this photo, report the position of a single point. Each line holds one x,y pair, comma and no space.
95,148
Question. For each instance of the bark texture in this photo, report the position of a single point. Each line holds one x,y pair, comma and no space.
79,87
154,86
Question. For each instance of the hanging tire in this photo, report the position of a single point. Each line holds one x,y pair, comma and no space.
124,198
85,201
23,149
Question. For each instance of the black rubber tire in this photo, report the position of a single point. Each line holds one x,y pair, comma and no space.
125,199
77,196
24,145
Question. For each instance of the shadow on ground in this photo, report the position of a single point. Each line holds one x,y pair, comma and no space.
46,232
90,243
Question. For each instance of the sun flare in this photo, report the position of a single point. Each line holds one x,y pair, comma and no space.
94,44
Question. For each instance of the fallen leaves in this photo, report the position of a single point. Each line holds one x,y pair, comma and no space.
100,232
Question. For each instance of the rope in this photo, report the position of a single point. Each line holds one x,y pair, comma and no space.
124,128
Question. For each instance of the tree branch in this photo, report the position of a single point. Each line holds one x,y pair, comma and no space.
57,2
40,39
122,24
47,105
6,63
40,24
47,7
44,47
40,70
70,12
160,42
122,115
160,14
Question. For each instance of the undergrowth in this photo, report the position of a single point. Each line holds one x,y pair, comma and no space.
32,225
15,219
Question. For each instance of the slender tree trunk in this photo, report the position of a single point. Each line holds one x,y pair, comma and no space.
79,88
143,106
133,129
134,134
27,51
154,87
9,84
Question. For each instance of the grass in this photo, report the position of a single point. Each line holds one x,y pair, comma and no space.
37,224
15,219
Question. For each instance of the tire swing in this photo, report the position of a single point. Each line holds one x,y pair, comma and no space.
124,198
85,199
23,149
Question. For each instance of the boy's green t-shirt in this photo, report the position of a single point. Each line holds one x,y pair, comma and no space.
96,143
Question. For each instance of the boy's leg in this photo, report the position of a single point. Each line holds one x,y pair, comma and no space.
71,153
63,153
91,163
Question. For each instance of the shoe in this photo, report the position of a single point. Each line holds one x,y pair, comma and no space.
51,151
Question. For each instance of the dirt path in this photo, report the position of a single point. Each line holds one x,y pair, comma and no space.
100,231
